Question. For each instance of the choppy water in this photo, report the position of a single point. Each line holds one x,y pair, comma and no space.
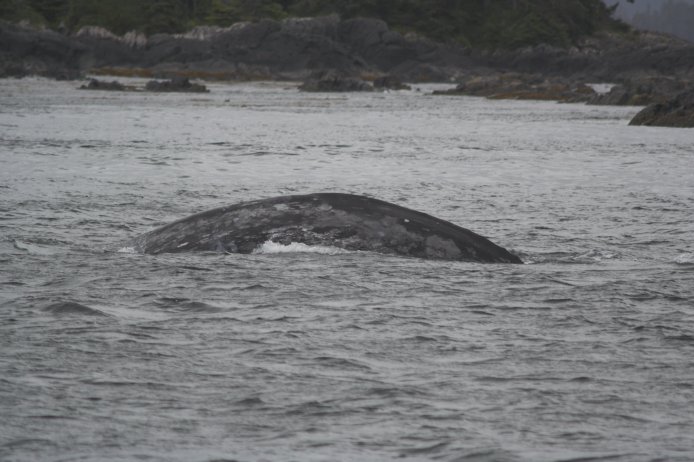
584,353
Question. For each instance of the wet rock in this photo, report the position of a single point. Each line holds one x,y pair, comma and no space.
513,85
676,112
176,84
95,84
389,82
642,91
522,86
603,57
333,82
619,95
293,48
28,51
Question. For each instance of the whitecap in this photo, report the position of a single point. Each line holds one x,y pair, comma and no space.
597,255
270,247
684,259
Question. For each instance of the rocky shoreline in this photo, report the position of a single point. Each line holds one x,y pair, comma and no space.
640,91
174,85
293,49
361,54
676,112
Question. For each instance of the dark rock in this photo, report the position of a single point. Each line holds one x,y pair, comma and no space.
390,82
333,82
676,112
176,84
522,86
618,95
95,84
371,39
27,51
62,73
605,57
641,92
294,48
414,71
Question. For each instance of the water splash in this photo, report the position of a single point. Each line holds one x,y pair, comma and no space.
269,247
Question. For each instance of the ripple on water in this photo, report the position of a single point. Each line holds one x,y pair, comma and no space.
313,354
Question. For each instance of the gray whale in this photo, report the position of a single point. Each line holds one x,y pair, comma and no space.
346,221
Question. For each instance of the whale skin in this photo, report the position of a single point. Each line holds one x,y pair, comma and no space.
347,221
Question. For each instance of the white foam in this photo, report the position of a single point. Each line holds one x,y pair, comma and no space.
598,255
33,249
601,88
684,259
269,247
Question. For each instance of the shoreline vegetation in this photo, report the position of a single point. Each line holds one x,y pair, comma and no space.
506,49
484,24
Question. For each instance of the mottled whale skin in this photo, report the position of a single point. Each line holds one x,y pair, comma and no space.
346,221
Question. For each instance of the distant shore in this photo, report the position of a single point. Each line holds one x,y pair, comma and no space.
648,67
292,49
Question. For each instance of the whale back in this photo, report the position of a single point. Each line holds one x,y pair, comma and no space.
346,221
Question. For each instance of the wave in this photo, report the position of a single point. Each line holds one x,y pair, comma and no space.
34,249
72,308
684,259
587,257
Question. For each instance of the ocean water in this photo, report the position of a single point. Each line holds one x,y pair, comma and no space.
586,352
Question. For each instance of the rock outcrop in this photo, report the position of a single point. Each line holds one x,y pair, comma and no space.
176,84
522,86
643,91
267,49
676,112
43,52
606,57
334,82
296,48
389,82
95,84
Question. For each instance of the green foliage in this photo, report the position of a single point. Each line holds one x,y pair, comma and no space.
53,11
222,14
227,12
118,16
479,23
20,10
164,16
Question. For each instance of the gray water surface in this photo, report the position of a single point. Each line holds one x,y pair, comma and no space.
584,353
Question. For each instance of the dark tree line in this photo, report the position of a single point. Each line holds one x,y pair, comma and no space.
485,23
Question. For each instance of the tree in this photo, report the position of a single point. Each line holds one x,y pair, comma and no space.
478,23
165,16
222,14
53,11
118,16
